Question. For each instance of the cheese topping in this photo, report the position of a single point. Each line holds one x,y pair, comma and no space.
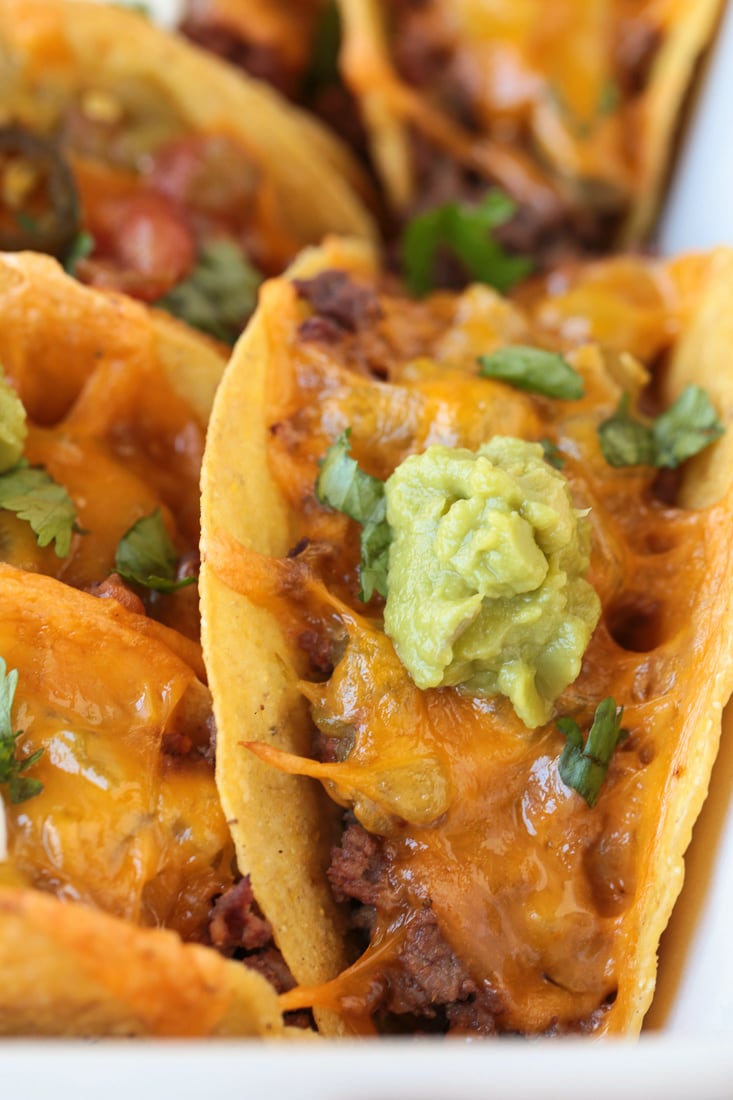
129,819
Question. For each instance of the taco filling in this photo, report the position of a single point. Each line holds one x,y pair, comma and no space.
569,107
108,162
491,539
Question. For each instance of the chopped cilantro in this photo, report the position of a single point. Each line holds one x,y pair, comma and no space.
30,491
34,496
81,247
534,370
12,767
467,232
584,767
219,295
684,429
146,556
344,486
552,454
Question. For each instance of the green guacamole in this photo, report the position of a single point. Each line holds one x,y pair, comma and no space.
485,584
13,429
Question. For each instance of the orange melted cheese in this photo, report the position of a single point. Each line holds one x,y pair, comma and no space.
532,889
129,819
119,824
127,444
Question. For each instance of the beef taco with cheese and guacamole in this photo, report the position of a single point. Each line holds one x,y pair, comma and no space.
466,596
150,167
570,108
122,911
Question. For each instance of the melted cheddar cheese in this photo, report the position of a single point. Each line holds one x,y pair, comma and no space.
129,820
535,893
114,431
569,106
121,824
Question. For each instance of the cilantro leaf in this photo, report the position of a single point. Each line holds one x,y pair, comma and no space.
81,247
219,295
534,370
684,429
552,453
20,786
584,767
344,486
145,555
33,495
467,232
626,441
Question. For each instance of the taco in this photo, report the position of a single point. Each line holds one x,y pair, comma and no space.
570,108
514,749
121,908
153,168
294,46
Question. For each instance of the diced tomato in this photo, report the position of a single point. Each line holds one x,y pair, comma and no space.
208,173
143,245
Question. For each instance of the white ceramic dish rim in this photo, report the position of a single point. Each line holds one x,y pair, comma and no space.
693,1053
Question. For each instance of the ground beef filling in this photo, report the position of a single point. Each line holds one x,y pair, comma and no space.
427,986
239,930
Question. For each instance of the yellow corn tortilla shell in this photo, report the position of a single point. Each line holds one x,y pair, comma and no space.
280,825
54,331
71,971
68,968
50,49
389,107
283,826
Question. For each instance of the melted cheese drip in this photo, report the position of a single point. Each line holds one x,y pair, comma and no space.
118,824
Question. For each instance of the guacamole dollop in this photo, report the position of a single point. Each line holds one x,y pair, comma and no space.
13,428
485,586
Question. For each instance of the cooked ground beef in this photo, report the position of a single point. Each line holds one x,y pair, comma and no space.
271,965
335,297
427,980
320,330
357,867
429,974
234,921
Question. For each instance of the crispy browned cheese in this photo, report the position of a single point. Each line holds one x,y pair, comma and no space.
514,906
570,107
109,871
